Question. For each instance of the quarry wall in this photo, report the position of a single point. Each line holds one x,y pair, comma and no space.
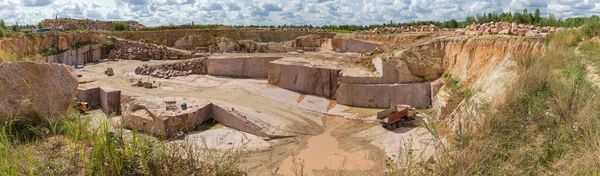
79,56
307,76
384,95
169,38
483,64
33,43
241,67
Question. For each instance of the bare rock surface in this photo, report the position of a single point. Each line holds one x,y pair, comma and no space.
310,76
29,86
242,67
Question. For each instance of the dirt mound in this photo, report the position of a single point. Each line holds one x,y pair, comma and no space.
29,86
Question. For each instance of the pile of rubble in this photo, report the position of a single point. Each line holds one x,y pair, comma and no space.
505,28
74,24
395,30
294,29
141,51
175,69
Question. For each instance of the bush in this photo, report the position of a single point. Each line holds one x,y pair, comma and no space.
591,27
2,33
120,27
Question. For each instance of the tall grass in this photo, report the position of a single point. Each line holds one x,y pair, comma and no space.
549,120
77,149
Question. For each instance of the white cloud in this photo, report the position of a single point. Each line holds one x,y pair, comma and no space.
274,12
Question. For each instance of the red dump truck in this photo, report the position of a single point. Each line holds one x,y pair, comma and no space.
394,117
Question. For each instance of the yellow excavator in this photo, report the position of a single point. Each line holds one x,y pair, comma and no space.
81,106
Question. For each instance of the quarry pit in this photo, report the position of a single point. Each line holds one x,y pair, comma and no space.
311,96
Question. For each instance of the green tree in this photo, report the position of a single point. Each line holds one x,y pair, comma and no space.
40,26
2,33
2,24
453,24
84,25
120,27
15,28
537,17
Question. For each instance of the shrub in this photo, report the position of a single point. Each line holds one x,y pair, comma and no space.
120,27
2,33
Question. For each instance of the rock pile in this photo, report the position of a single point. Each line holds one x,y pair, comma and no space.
294,29
402,29
183,68
505,28
43,88
140,51
73,24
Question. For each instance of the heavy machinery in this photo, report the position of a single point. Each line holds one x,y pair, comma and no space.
109,72
81,106
394,117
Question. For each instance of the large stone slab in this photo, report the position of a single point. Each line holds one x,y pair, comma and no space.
242,67
29,86
316,77
384,95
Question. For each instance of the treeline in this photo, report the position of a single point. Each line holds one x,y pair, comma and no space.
14,28
524,17
191,25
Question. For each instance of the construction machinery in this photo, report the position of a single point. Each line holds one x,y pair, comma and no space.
394,117
109,71
81,106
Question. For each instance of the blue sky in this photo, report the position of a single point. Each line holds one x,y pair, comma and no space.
274,12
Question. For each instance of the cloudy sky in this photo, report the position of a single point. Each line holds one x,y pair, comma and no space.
267,12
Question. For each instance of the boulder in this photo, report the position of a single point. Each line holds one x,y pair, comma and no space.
29,86
505,32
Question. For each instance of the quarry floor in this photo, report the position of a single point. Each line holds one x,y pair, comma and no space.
341,138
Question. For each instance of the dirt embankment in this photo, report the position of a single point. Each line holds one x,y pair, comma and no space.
479,67
168,38
31,44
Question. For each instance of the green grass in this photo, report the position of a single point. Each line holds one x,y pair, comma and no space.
67,145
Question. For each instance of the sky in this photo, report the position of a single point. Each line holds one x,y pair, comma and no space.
279,12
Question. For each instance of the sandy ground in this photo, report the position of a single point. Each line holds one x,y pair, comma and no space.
329,141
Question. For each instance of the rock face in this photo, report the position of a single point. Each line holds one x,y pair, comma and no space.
181,68
304,75
34,43
80,56
170,38
479,63
388,71
28,86
384,95
349,45
131,50
241,67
